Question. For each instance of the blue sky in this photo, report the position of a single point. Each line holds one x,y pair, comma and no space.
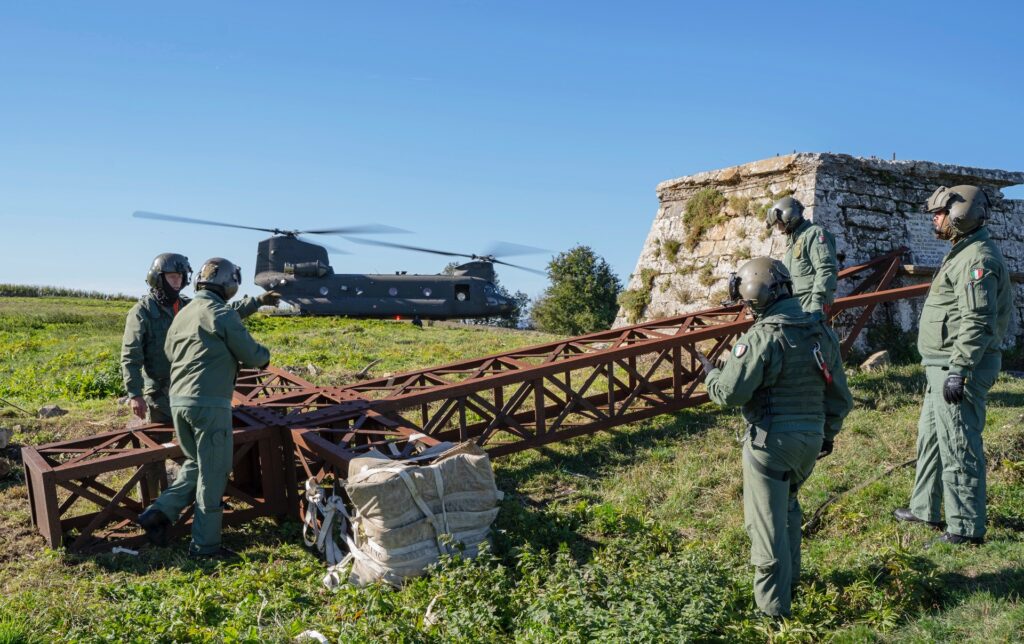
542,123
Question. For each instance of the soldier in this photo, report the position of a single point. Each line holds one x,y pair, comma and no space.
963,323
810,255
787,373
206,343
144,366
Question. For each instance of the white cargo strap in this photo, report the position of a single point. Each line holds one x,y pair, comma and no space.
333,510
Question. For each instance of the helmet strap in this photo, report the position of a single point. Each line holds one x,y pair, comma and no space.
945,231
164,293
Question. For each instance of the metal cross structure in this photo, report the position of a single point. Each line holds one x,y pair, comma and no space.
87,493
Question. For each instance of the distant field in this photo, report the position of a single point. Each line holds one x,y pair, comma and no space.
626,536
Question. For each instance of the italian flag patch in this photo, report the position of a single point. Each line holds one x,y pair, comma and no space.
977,273
739,350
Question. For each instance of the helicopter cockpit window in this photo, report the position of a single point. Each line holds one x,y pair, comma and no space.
462,292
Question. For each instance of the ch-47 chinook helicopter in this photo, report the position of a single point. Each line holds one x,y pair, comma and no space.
301,272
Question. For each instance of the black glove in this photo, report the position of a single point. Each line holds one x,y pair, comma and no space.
705,363
826,449
953,389
270,298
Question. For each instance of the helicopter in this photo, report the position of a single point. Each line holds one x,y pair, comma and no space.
300,271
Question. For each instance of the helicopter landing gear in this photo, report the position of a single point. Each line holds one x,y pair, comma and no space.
416,321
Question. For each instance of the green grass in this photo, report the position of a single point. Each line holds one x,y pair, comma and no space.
631,535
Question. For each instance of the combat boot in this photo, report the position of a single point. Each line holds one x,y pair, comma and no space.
220,554
904,514
957,539
155,523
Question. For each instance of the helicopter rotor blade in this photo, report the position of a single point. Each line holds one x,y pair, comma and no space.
142,214
509,249
374,242
370,229
329,249
522,268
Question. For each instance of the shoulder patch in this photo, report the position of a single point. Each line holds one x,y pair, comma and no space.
739,350
977,273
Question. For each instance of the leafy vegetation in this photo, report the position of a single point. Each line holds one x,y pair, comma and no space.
707,275
635,535
740,205
703,211
636,300
22,290
582,295
671,249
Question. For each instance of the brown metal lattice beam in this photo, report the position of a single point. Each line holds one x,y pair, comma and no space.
86,493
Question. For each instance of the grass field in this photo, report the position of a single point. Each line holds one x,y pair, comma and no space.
634,535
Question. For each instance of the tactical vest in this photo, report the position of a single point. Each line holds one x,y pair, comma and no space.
795,399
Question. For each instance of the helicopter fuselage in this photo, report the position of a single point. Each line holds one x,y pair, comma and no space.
301,273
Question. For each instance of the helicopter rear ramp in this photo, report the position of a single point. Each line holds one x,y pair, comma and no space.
86,493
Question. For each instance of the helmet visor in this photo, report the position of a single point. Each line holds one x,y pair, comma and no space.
939,200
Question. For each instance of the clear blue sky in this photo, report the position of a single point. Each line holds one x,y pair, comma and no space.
544,123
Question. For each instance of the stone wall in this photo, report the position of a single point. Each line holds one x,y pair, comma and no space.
708,224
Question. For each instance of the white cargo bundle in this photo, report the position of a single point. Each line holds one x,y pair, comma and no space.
404,515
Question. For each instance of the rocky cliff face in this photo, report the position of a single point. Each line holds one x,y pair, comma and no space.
708,224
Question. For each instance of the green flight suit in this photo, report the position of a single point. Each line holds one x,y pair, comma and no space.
206,343
963,323
811,261
145,369
789,410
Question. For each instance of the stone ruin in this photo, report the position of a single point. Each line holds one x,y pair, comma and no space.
708,224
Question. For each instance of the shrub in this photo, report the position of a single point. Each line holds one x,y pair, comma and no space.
703,211
671,249
740,205
635,301
22,290
707,275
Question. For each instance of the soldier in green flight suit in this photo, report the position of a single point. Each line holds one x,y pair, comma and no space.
963,324
787,373
206,344
810,255
145,370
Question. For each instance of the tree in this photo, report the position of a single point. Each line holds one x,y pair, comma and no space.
582,295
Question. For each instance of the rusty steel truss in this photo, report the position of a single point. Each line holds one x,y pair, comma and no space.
87,493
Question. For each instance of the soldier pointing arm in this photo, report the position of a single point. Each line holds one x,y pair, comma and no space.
145,369
206,344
